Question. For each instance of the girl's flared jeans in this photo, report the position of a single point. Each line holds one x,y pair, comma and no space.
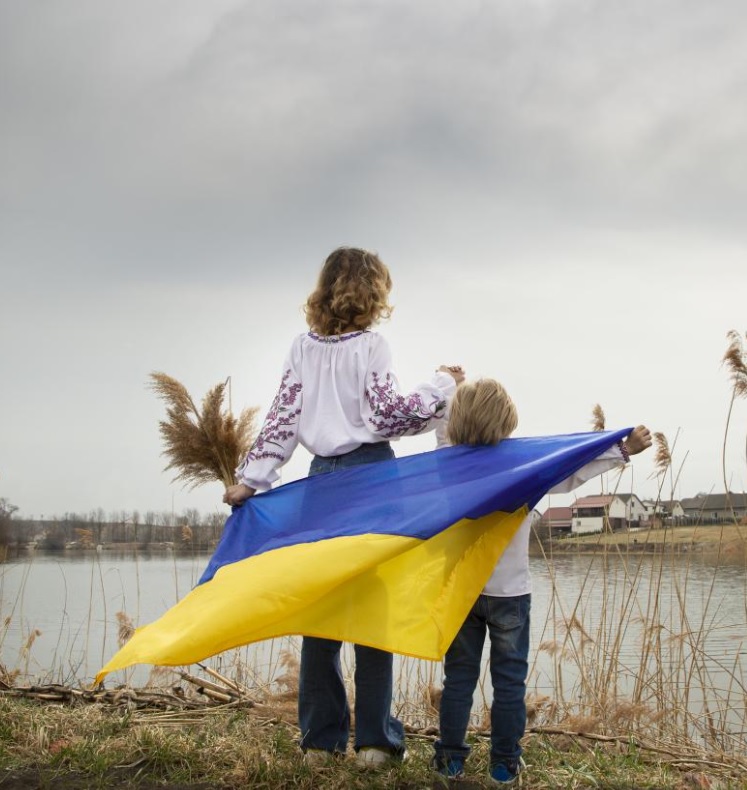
323,711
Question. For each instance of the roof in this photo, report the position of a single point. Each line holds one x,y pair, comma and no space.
597,500
626,497
557,514
714,502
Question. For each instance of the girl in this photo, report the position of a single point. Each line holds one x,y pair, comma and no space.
339,398
483,413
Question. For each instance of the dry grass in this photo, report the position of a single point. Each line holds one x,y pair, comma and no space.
87,746
202,445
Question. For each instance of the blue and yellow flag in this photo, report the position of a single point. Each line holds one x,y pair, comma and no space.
390,555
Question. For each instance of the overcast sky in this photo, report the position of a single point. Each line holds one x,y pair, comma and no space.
559,188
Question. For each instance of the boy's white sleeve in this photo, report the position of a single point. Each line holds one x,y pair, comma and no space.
442,427
278,437
390,414
609,459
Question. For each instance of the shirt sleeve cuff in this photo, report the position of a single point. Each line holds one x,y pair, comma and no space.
444,382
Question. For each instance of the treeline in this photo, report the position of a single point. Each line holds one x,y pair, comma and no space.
188,529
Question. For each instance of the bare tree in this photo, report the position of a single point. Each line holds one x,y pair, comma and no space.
6,514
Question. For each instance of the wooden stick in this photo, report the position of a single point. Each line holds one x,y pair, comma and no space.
242,691
202,683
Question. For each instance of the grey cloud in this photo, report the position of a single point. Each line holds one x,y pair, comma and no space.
252,130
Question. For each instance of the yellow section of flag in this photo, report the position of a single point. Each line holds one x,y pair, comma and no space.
402,594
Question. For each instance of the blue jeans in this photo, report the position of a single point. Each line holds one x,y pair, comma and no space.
323,712
506,621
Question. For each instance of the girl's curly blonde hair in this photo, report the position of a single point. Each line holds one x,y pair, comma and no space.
352,293
481,413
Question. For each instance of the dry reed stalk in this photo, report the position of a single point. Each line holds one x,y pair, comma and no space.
662,455
598,420
126,628
431,698
202,445
8,677
288,682
160,677
735,359
35,632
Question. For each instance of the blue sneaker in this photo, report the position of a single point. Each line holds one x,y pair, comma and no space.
507,774
450,767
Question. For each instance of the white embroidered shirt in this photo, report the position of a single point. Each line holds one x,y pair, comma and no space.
336,393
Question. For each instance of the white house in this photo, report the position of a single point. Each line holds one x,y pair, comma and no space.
606,512
664,512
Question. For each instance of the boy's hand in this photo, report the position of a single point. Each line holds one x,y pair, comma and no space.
455,371
235,495
638,440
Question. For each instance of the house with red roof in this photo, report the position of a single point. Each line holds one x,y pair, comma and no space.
555,521
606,513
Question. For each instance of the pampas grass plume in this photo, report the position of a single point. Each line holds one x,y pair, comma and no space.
202,445
663,456
598,419
735,360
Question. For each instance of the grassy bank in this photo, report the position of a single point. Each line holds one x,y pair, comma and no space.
95,746
727,540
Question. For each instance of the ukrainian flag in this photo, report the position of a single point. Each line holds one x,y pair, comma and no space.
390,555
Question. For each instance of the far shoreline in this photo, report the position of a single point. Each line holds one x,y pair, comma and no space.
725,539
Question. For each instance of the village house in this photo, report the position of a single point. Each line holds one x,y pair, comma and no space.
555,522
715,508
606,513
664,513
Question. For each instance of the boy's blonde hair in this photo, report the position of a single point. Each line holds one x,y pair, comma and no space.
352,293
481,413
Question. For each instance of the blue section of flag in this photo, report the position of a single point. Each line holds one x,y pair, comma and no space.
416,496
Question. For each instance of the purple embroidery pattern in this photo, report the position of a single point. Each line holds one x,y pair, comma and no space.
277,426
334,338
397,415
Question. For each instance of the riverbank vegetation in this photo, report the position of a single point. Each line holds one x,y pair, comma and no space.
182,737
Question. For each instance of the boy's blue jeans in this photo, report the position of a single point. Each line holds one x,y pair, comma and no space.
506,621
323,712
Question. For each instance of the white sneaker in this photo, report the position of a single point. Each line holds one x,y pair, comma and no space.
372,757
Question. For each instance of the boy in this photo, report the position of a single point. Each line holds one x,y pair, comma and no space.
482,413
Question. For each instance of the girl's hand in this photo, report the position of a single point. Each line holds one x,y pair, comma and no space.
236,495
455,371
638,440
